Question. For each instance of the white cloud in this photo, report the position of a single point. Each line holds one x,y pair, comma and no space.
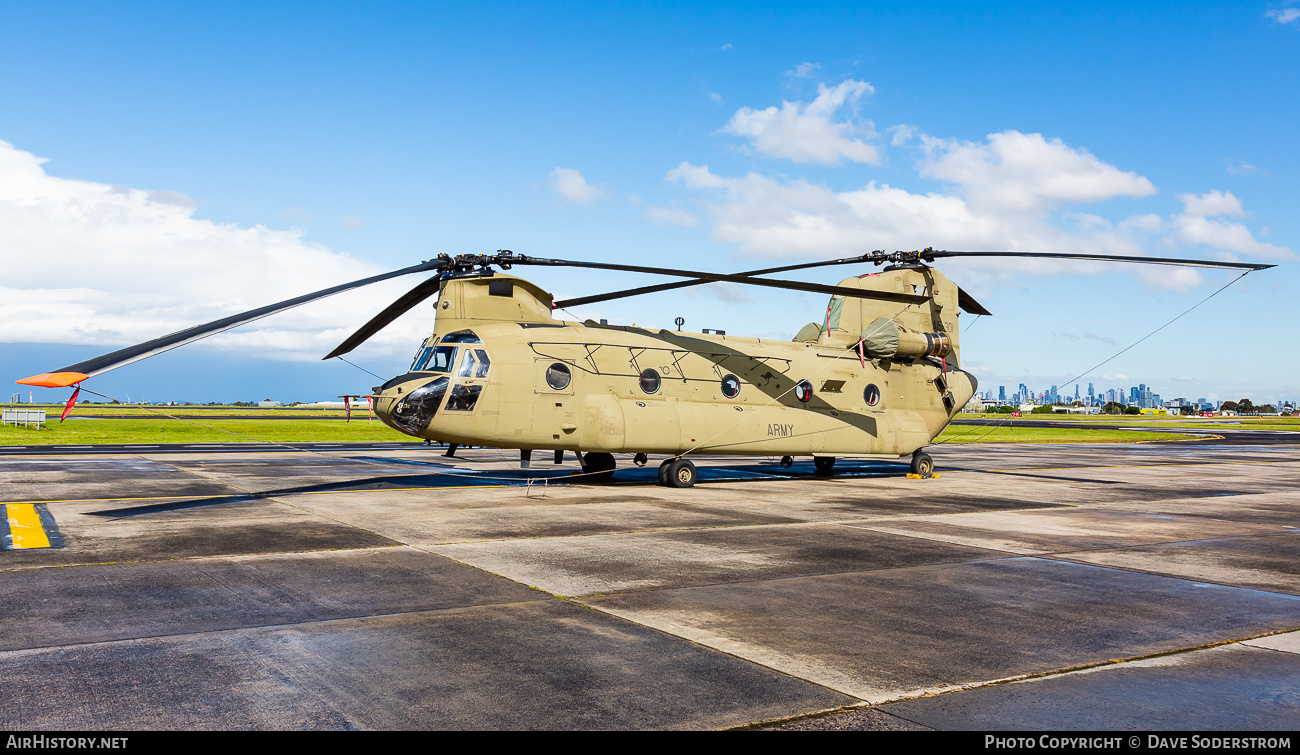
1149,222
671,215
295,215
767,217
1243,168
570,184
170,197
1026,172
696,176
1194,225
1211,203
1013,192
1284,16
902,134
715,97
727,293
91,263
803,70
806,133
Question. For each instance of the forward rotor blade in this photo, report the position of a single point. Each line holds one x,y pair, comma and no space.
818,288
696,282
80,371
393,311
932,255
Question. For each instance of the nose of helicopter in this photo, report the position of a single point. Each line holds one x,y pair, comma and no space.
409,405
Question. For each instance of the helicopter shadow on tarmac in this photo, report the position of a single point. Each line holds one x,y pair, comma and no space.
458,477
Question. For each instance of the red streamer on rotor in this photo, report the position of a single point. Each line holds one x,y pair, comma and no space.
71,402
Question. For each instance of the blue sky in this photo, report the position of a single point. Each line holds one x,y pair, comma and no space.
201,160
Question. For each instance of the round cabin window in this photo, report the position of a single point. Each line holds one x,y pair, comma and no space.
803,391
730,386
871,395
558,376
649,381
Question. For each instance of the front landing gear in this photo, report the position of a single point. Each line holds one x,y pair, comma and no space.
677,473
922,464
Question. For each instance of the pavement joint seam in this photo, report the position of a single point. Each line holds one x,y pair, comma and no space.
284,625
939,537
177,559
1058,672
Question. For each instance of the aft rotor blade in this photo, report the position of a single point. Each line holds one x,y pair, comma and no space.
80,371
393,311
818,288
932,255
968,303
697,281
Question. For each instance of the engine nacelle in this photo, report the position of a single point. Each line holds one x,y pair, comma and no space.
886,339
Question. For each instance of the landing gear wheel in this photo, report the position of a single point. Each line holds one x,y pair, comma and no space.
824,463
598,466
639,460
922,464
787,461
663,472
681,473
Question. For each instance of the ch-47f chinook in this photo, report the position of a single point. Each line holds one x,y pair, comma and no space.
880,376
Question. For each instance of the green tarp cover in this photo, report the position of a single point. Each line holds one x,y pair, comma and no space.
810,332
833,313
880,339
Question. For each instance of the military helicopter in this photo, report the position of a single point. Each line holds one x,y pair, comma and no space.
879,377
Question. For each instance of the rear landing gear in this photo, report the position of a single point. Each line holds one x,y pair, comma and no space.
677,473
824,463
922,464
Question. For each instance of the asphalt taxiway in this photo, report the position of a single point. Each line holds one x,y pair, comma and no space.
1152,585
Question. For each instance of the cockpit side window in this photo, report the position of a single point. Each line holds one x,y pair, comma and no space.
421,357
467,364
483,364
461,336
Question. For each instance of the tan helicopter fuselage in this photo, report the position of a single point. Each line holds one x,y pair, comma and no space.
499,378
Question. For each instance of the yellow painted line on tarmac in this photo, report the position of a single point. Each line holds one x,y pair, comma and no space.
25,529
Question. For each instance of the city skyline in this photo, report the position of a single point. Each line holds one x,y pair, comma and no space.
1140,395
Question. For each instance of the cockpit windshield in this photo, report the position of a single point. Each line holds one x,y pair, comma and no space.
434,359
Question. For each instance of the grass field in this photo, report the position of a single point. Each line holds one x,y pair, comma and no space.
217,430
1028,434
1156,423
135,410
131,430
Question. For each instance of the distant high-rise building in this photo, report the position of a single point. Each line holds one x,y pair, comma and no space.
1002,393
